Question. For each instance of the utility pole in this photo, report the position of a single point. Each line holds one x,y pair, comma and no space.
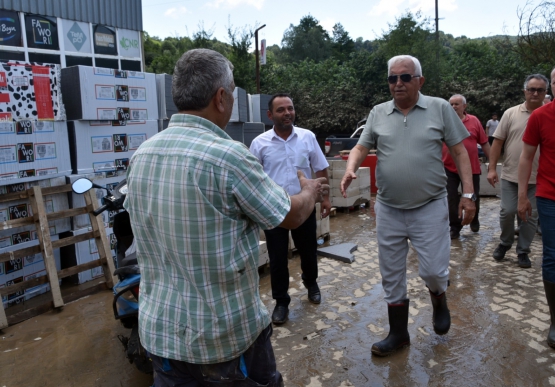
438,75
258,59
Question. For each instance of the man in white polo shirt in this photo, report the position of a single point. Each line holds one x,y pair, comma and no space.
282,151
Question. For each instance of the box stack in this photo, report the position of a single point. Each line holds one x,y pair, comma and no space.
113,112
166,107
358,191
34,150
259,108
240,112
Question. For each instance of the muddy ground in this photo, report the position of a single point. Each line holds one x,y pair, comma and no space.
497,338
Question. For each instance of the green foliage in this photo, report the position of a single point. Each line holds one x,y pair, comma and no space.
335,81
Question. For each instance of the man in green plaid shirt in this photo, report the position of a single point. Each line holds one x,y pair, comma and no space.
197,200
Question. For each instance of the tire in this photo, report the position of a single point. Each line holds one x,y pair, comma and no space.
137,354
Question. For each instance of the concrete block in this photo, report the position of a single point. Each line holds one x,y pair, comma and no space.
341,252
351,191
346,202
337,165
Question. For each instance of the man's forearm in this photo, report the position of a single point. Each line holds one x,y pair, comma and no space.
357,154
302,206
525,168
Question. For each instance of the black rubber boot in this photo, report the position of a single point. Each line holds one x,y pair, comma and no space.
550,295
398,333
441,317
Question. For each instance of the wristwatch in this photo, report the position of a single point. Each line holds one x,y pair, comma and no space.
470,196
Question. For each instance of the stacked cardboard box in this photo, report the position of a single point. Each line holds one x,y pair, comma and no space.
358,191
166,107
33,133
259,108
240,112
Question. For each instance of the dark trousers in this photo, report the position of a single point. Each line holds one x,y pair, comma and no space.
258,362
453,183
277,241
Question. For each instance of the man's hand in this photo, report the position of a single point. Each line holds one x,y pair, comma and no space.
492,177
524,208
325,206
318,187
467,210
348,177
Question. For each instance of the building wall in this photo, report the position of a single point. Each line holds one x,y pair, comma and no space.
115,13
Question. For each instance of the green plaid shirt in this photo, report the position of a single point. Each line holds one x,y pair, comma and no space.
196,201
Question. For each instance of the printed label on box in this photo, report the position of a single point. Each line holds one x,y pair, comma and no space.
22,237
44,126
101,144
47,171
106,114
137,94
13,265
105,92
122,93
43,98
136,74
17,297
120,143
5,241
45,151
24,127
6,126
3,79
18,211
20,81
139,114
15,187
135,140
103,166
8,154
26,173
4,98
103,71
25,152
120,73
4,217
122,164
8,176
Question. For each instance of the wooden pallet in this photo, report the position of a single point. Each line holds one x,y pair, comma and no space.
46,246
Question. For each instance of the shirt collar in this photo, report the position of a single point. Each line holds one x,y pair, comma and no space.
422,103
293,133
190,120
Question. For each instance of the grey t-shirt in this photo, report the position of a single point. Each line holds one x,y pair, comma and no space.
410,172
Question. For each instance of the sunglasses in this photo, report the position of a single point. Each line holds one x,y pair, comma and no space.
533,90
404,78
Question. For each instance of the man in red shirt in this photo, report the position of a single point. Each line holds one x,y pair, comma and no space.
539,132
477,136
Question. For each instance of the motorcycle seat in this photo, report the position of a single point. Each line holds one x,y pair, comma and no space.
127,270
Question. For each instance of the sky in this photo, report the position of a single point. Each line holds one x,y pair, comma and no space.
368,19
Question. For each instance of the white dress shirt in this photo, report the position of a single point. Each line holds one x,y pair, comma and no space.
282,158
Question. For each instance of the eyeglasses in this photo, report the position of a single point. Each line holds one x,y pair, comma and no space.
404,78
533,90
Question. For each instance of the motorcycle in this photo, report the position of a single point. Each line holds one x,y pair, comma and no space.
126,291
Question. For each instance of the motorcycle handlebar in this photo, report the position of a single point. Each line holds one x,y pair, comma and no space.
100,210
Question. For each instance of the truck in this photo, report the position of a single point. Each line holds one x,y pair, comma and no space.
334,145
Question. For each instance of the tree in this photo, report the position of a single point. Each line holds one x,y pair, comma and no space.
243,61
309,40
536,34
342,44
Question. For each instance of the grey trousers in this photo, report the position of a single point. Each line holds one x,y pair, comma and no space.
509,205
427,227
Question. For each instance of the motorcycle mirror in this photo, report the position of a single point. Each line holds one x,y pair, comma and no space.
81,185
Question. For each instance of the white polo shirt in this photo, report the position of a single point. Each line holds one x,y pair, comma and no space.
282,158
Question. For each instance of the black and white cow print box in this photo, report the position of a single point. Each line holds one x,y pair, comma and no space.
30,91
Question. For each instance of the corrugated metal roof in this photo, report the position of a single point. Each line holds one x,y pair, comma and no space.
115,13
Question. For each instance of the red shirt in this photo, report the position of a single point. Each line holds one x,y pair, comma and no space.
477,136
540,130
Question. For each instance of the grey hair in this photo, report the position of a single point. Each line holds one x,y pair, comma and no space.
458,96
536,76
197,76
402,58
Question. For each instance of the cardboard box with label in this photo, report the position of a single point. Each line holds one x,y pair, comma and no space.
30,91
22,209
95,93
97,146
33,150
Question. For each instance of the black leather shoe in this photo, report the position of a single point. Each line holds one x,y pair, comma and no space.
499,252
524,261
314,295
475,226
281,312
454,234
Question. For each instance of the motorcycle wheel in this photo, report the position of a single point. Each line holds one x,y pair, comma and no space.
137,354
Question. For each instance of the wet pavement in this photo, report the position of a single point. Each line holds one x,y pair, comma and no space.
498,334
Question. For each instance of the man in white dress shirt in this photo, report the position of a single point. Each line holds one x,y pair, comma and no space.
282,151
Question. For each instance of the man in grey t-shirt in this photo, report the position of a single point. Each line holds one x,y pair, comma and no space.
409,133
491,125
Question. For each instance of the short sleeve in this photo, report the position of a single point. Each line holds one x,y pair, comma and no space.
455,131
367,136
531,135
258,196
